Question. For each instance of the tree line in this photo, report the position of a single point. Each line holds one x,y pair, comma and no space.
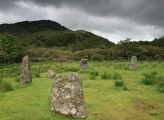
93,48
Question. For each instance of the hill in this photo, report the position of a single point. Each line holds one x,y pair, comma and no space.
46,33
31,27
48,40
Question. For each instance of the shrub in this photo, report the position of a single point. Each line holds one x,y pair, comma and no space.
119,83
149,79
94,73
37,75
154,73
117,76
97,57
105,76
5,86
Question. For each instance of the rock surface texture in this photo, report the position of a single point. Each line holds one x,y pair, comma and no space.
25,71
84,65
67,96
133,63
51,73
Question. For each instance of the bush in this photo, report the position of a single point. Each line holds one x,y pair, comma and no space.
149,79
117,76
5,86
119,83
105,76
154,73
37,75
94,73
97,57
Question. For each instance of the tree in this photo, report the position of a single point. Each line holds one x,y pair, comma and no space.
4,58
7,46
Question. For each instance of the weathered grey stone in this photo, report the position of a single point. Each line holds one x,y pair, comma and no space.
25,73
67,96
84,65
133,63
51,73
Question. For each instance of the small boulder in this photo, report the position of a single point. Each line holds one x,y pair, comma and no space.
51,73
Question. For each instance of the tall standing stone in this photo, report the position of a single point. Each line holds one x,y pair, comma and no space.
133,63
84,65
67,96
25,71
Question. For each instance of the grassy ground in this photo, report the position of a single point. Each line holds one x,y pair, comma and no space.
104,100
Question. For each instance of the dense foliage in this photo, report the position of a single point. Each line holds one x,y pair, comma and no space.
7,48
47,40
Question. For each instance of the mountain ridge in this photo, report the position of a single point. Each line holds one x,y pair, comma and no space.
31,26
47,33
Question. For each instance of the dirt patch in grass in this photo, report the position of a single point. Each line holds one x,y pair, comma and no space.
143,106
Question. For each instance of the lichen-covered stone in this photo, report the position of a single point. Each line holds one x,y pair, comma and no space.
84,65
133,63
51,73
67,96
25,71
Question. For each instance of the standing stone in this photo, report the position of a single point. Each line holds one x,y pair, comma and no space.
25,73
51,73
133,63
84,65
67,96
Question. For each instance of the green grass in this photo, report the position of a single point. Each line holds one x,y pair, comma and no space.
119,83
117,76
5,86
104,100
160,86
106,76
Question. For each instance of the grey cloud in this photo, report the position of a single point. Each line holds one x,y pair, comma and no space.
131,18
6,5
144,11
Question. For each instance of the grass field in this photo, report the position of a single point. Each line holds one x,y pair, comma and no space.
105,99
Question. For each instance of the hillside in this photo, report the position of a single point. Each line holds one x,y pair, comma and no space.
47,40
31,27
46,33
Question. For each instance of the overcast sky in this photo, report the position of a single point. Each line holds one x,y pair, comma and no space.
112,19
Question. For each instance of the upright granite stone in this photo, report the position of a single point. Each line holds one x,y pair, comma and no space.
133,63
67,96
84,65
51,73
25,73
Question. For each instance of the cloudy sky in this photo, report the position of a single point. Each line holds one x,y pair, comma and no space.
112,19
